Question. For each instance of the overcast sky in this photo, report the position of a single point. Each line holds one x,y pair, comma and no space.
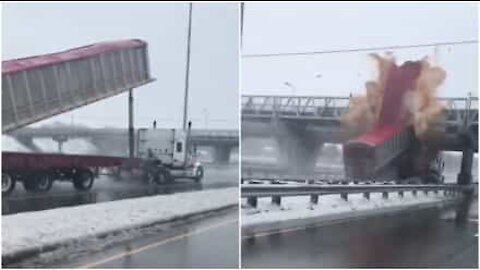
30,29
282,27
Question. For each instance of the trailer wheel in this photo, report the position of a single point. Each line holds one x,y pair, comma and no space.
8,184
43,182
83,180
198,174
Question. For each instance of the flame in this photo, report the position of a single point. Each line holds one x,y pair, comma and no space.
422,108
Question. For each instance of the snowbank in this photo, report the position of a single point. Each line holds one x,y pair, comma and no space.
298,211
31,232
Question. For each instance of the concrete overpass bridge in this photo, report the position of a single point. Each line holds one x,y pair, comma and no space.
114,141
302,124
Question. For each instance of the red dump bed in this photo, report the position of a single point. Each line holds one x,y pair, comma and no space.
16,160
22,64
378,135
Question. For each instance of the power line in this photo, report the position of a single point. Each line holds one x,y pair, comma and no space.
395,47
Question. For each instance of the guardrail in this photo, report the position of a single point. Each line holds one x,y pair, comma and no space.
253,191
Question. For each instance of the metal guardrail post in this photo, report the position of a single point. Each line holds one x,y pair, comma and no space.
314,199
385,195
366,195
344,196
414,192
400,193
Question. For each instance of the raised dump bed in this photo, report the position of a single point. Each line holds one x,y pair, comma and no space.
39,87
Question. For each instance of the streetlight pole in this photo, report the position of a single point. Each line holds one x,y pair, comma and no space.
187,72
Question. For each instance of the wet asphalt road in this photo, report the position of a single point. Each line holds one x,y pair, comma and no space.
105,188
427,238
206,242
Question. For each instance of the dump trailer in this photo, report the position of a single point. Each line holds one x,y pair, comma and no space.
162,156
39,87
37,171
390,149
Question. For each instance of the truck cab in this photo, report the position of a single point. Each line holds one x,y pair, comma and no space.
168,154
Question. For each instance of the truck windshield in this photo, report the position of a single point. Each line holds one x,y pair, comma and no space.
179,147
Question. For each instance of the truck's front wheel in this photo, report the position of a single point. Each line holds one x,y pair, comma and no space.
83,180
198,174
8,184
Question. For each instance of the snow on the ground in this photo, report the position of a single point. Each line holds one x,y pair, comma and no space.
296,208
37,229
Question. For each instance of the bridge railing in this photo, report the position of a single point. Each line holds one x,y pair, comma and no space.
215,133
276,191
305,106
459,111
88,132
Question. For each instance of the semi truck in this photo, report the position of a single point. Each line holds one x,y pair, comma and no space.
166,154
162,156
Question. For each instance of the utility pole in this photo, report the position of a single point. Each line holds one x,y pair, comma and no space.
187,72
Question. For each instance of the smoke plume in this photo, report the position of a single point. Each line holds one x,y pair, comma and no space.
418,105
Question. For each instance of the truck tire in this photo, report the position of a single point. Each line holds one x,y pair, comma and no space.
43,182
199,174
83,180
149,176
8,184
163,177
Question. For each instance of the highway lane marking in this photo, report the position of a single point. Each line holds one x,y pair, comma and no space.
276,232
157,244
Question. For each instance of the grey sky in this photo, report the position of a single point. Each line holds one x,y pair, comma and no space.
29,29
291,27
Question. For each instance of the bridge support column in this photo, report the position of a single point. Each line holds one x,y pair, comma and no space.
222,154
465,178
465,175
131,139
298,150
60,141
